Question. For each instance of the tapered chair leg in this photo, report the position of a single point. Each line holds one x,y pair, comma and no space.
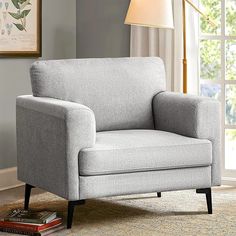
158,194
71,207
27,195
207,191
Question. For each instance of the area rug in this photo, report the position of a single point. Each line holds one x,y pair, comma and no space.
175,213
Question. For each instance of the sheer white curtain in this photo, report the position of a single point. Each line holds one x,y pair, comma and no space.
168,45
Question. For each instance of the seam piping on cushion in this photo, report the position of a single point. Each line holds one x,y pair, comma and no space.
120,172
140,148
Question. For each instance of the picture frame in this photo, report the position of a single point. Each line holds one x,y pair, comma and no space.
20,28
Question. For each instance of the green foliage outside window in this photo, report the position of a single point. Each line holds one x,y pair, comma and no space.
231,17
230,104
210,58
231,59
213,9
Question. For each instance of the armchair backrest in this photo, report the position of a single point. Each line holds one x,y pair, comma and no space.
118,90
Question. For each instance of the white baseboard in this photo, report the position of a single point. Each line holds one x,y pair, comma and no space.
8,179
229,181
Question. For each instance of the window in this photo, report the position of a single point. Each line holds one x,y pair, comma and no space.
218,70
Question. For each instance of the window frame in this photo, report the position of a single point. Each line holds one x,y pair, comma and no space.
227,174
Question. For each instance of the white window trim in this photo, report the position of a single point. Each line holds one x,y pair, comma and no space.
227,174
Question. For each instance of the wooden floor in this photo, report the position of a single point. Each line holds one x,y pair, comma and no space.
15,194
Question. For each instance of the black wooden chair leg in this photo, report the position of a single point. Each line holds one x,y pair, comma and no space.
27,195
71,207
207,191
158,194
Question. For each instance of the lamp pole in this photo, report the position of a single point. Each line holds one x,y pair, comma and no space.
185,63
159,14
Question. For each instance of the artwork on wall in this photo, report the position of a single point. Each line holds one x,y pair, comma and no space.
20,28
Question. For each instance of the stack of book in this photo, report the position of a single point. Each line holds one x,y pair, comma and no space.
31,223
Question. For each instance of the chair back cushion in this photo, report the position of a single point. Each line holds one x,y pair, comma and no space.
118,90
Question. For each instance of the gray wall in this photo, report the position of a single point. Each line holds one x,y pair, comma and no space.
59,41
100,33
100,28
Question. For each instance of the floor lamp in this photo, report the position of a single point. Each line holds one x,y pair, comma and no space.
159,14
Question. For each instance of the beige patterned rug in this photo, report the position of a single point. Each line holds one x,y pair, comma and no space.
176,213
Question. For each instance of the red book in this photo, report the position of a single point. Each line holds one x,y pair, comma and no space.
30,227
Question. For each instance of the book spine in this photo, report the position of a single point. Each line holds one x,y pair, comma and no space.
33,221
16,231
19,227
48,218
44,219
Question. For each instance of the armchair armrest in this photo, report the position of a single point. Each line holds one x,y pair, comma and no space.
192,116
50,134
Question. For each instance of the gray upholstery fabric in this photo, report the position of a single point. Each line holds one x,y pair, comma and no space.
191,116
50,134
128,151
59,150
118,90
144,182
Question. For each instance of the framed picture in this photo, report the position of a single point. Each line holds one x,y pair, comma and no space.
20,28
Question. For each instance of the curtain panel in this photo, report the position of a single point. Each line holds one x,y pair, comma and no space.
168,44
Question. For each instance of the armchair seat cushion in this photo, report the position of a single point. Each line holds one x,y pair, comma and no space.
128,151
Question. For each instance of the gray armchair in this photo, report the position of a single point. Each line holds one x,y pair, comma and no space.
104,127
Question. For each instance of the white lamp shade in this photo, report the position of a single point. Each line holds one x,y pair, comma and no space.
150,13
